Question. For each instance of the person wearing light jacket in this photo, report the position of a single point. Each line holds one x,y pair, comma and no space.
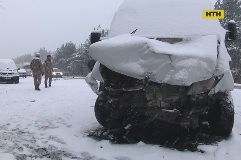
37,70
48,71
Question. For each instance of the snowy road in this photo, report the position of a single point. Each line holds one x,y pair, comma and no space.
51,125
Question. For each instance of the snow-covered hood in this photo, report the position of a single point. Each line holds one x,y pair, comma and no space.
59,72
191,60
22,71
8,71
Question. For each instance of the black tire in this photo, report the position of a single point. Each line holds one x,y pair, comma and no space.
105,114
17,81
221,116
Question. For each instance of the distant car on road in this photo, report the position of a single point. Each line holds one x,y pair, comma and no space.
57,73
29,72
22,73
8,71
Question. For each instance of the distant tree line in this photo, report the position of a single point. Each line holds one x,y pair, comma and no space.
69,58
232,12
24,58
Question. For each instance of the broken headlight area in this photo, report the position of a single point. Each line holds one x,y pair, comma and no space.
204,86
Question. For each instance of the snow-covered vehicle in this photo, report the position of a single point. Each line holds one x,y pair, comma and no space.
26,66
8,71
22,72
57,73
163,62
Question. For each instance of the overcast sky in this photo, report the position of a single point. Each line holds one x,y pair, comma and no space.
27,25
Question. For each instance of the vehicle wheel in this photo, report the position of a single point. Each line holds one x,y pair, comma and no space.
105,114
17,80
221,116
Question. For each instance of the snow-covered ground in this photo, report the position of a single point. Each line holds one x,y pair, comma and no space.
52,125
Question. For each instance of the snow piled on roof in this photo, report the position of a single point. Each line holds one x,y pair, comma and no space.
164,18
194,59
7,63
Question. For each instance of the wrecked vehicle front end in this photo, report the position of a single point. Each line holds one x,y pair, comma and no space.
165,66
178,87
129,101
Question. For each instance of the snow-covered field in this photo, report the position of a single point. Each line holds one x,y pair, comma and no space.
52,125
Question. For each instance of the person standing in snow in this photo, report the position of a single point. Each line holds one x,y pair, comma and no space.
48,71
37,69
